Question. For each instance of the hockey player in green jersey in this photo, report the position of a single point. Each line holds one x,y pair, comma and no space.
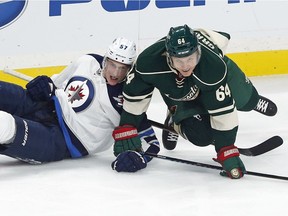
202,88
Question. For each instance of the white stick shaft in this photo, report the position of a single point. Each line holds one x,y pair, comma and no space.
17,74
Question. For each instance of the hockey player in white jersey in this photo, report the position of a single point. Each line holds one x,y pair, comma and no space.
72,114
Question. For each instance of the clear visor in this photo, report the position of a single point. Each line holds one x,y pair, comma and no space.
116,68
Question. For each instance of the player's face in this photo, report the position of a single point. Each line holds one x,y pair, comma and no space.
185,65
114,71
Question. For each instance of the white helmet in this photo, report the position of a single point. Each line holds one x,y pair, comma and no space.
122,50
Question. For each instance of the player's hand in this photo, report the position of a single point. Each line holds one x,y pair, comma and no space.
233,166
41,88
129,161
126,138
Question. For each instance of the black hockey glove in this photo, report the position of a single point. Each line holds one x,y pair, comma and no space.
41,88
129,161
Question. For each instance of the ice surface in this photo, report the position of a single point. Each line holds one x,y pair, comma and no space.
90,187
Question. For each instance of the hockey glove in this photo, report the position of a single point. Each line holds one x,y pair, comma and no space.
129,161
126,138
41,88
233,166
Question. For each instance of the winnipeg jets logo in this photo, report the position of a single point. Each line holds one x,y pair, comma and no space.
80,92
76,92
119,100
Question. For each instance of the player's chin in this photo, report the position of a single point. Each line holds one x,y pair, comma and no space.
186,73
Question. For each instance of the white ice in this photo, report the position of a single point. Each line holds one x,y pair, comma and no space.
90,187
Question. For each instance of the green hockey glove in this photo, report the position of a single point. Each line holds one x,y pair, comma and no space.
126,138
233,166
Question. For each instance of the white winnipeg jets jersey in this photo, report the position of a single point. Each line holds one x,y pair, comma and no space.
89,110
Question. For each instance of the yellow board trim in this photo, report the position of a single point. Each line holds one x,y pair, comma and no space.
33,72
262,63
252,64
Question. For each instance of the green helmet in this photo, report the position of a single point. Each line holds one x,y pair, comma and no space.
181,41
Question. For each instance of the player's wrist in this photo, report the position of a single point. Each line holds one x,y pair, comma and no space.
124,132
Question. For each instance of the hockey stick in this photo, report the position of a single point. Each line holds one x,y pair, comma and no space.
17,74
213,166
259,149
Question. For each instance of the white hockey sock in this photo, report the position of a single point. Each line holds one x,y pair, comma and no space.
7,128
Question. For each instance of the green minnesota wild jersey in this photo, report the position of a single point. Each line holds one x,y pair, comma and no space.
217,87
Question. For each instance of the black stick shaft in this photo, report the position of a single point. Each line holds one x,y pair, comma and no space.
259,149
214,167
161,126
